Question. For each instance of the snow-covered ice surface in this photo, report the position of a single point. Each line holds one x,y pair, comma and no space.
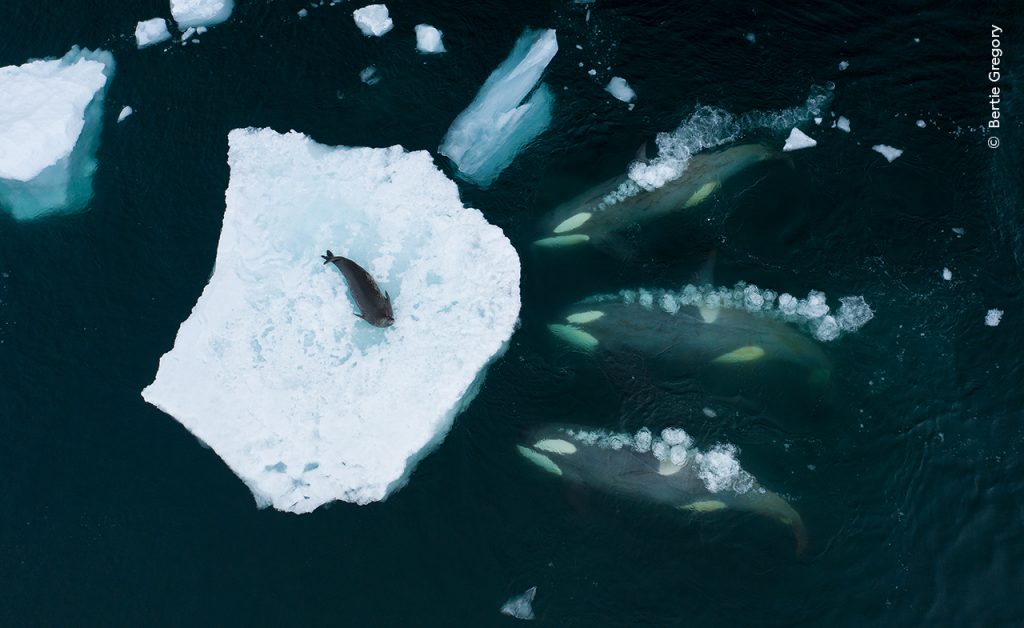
888,152
51,115
373,20
485,138
302,400
993,317
201,12
151,32
619,88
812,314
798,139
428,39
520,606
125,112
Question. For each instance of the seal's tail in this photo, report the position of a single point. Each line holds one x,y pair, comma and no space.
329,257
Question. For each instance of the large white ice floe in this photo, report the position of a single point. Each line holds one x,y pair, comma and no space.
305,402
373,20
428,39
201,12
890,153
798,139
509,111
51,115
149,32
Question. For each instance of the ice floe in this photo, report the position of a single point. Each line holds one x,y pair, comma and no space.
798,139
428,39
303,401
813,314
50,121
373,20
888,152
201,12
509,111
843,65
151,32
520,606
993,317
619,88
843,124
920,124
125,112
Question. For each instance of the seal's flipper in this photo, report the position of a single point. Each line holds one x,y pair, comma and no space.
329,257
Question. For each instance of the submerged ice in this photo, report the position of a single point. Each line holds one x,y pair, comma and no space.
50,122
302,400
509,111
520,606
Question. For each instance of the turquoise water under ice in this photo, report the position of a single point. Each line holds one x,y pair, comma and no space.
907,470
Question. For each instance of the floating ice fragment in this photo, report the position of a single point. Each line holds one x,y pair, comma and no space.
947,274
592,72
752,38
125,112
273,367
798,139
920,124
959,231
373,20
201,12
189,32
620,89
817,120
888,152
520,606
843,123
149,32
369,76
428,39
509,111
843,65
992,317
302,13
51,114
708,412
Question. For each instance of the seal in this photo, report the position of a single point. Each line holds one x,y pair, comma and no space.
374,303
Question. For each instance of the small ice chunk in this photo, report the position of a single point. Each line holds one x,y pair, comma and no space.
149,32
428,39
992,317
273,367
125,112
947,274
620,89
843,124
51,115
373,20
920,124
817,120
509,111
843,65
369,76
888,152
752,38
302,13
201,12
520,606
959,231
189,32
709,413
200,30
798,139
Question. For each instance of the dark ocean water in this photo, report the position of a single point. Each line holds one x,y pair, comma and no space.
908,471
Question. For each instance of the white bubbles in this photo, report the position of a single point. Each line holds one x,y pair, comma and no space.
676,436
642,441
720,471
853,313
677,455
